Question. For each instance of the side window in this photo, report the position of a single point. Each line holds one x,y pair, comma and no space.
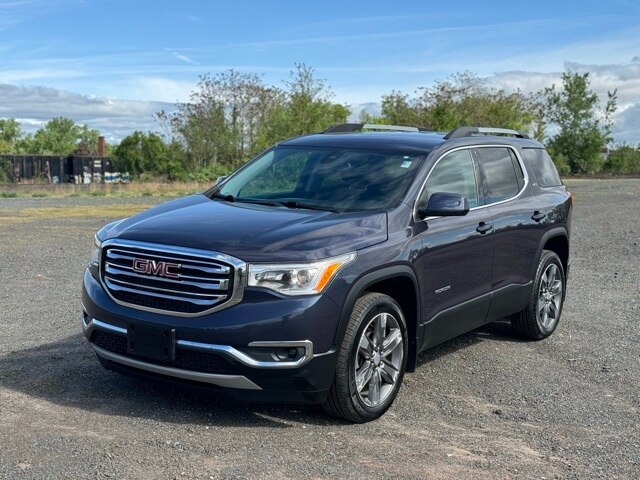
501,174
454,173
540,163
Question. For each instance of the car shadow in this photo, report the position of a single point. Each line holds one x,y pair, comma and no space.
67,373
499,331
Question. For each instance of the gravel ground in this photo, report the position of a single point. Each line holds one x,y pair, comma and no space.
481,406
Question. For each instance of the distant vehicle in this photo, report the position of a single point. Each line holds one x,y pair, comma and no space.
319,270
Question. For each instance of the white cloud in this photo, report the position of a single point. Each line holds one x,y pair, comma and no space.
625,77
115,118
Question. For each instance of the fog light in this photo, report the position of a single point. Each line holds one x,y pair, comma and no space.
284,354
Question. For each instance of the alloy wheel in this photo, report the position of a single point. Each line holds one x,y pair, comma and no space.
378,359
549,297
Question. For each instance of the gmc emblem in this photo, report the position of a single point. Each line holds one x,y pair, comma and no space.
160,269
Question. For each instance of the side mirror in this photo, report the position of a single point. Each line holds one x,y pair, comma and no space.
221,179
443,204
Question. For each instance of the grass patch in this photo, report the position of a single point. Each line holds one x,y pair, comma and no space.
147,193
83,211
98,193
39,194
8,194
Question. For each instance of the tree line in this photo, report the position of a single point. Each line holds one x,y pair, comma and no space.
232,116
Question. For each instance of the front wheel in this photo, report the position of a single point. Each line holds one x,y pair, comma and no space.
371,360
542,314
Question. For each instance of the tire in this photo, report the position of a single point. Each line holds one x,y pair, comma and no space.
542,315
379,369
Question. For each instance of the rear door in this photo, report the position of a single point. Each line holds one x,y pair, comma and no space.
455,262
517,225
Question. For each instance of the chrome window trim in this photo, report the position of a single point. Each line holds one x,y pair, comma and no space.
470,147
239,274
226,350
229,381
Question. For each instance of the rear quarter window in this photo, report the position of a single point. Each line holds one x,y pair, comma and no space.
540,163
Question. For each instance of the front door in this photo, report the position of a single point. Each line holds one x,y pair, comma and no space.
456,256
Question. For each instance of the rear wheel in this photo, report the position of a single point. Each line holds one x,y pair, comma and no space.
542,314
371,360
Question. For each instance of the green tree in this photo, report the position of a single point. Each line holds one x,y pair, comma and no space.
142,153
305,106
623,159
584,126
397,109
461,99
220,124
9,135
60,136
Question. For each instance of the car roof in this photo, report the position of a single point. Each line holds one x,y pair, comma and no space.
390,141
418,142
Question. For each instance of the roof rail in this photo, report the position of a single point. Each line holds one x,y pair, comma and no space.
462,132
357,127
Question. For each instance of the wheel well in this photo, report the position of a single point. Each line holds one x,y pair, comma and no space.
559,245
403,291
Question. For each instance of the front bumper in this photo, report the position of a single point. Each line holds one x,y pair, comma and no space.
222,350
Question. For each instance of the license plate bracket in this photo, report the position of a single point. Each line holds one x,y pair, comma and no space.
152,342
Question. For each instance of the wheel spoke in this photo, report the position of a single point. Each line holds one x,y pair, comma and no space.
365,348
541,305
545,317
556,287
374,388
553,309
391,342
389,373
551,274
380,329
363,375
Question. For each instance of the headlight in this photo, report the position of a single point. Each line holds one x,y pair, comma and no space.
94,261
299,278
95,254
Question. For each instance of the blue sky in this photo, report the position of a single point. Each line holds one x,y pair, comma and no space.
111,63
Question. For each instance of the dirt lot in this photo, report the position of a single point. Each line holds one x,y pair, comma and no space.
482,406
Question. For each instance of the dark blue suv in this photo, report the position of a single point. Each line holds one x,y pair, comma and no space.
320,270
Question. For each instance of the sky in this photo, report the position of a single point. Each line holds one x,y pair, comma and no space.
112,64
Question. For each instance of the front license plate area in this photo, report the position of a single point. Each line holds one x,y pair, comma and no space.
152,342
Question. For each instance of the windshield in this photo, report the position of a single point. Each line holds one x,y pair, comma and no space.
323,178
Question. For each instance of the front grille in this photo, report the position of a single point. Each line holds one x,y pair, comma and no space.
170,279
185,359
110,341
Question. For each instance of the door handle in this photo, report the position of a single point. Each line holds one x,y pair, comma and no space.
538,215
484,228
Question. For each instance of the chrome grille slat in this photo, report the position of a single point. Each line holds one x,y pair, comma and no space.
218,270
170,280
115,269
195,301
143,288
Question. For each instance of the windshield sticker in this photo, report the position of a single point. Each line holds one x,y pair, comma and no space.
405,164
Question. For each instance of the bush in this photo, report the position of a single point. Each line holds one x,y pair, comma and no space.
623,159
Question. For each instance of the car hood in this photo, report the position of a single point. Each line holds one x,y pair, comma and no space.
253,232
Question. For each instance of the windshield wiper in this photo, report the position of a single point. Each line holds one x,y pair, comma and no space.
274,203
226,198
259,201
307,206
